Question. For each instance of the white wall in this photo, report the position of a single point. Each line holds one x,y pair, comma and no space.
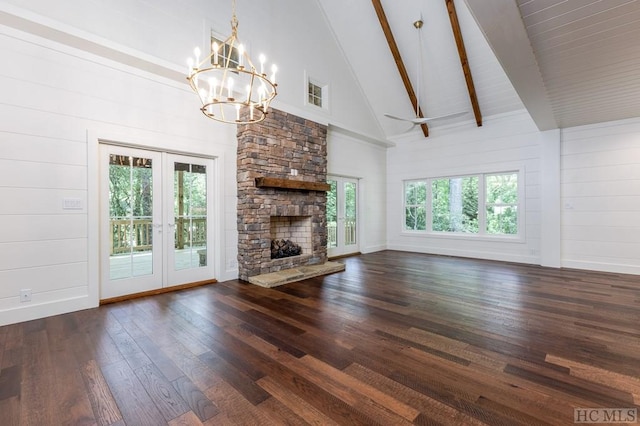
354,157
57,102
503,143
601,197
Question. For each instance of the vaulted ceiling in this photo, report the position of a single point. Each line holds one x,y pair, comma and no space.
568,62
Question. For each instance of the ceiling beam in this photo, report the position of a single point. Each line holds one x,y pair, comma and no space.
501,23
384,23
462,52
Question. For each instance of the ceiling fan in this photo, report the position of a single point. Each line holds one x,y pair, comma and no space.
417,120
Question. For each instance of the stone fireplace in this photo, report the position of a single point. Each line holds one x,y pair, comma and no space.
282,172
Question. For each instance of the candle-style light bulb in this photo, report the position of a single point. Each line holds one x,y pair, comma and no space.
251,111
190,65
196,52
230,88
274,69
214,85
211,81
237,112
215,48
262,59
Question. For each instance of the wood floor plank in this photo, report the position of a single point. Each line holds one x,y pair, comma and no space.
38,394
105,408
200,405
166,398
134,403
10,411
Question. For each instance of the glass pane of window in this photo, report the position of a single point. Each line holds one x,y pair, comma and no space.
415,206
502,203
349,213
190,215
332,215
130,216
455,204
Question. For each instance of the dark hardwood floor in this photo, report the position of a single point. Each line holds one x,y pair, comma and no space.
398,338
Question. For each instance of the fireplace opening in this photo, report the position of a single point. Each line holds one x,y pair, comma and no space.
290,236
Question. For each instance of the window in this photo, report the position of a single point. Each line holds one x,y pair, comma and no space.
225,52
315,95
454,204
502,203
414,206
483,204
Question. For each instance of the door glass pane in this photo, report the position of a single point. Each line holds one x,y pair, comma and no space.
190,215
349,213
130,216
332,215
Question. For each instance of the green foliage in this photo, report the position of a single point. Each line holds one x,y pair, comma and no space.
415,201
502,202
130,191
455,204
332,202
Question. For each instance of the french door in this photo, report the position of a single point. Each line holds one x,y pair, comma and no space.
342,216
155,220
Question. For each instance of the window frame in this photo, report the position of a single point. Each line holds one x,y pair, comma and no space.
482,233
324,93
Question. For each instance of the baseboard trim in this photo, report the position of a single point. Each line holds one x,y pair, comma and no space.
342,256
157,291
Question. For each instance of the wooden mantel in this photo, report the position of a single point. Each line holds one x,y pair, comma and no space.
269,182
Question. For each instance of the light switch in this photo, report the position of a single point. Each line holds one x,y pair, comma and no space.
72,204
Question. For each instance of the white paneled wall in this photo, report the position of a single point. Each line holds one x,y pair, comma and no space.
57,102
353,157
504,143
601,197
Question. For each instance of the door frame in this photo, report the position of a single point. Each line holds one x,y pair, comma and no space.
149,142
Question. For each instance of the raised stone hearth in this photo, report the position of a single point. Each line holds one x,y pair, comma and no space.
274,279
282,174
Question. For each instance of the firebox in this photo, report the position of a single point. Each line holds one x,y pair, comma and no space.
289,233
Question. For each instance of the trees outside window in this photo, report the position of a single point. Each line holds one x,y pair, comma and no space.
502,203
415,198
455,204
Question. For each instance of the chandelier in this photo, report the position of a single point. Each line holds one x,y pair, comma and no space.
229,86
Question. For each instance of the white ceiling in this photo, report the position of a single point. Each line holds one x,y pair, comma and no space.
568,62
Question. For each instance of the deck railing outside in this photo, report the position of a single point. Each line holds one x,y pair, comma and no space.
349,233
136,234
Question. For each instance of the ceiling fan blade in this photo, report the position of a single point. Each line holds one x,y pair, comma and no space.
416,121
427,119
410,120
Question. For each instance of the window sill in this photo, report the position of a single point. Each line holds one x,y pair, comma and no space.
518,239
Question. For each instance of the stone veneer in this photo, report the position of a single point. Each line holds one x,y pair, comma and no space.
273,148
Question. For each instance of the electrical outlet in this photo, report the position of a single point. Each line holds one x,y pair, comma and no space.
25,295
